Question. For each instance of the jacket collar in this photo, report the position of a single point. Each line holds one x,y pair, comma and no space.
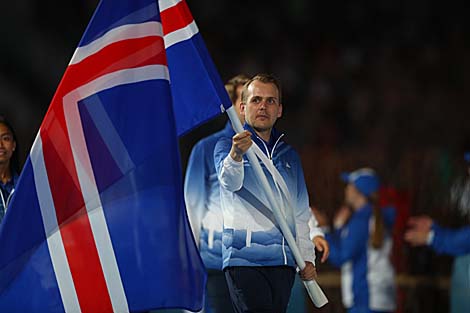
11,184
267,147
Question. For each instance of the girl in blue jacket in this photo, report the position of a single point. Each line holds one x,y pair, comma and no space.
361,245
9,165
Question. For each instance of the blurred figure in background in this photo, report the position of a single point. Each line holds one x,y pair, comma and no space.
202,196
425,232
361,244
9,164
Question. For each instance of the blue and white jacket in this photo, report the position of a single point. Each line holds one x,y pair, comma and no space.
6,193
455,242
202,196
367,275
251,236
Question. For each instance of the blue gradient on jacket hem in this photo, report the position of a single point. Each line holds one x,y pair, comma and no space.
266,249
212,257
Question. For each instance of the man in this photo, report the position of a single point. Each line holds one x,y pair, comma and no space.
424,231
258,264
202,197
9,166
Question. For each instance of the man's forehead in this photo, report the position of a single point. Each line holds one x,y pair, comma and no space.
258,88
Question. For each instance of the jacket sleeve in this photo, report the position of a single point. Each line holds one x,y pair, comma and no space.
453,242
315,230
302,216
195,189
346,243
229,172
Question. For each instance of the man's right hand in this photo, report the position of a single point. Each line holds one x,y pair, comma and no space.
241,142
420,223
418,233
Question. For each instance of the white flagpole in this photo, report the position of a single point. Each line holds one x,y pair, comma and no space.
313,289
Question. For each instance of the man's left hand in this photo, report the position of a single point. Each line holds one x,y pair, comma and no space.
309,272
322,245
420,227
416,238
420,223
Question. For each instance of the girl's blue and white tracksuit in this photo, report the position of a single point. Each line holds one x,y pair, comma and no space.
6,193
251,236
367,275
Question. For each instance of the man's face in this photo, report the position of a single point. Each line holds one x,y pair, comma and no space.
262,107
238,102
7,144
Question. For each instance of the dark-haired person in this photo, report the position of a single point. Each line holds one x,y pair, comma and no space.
258,264
202,196
9,166
361,245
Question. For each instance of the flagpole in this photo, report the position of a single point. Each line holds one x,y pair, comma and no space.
316,294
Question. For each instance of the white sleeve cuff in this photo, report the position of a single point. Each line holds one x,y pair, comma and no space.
306,246
315,232
308,252
430,239
231,162
231,175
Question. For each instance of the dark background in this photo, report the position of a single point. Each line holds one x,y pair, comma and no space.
366,83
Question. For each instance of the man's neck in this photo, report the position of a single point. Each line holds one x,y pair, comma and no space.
264,134
5,173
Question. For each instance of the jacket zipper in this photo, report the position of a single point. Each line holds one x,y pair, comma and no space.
9,198
5,204
3,201
270,156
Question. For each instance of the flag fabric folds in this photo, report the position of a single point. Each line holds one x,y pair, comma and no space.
97,222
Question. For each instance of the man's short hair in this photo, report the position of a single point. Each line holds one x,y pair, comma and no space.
264,78
232,85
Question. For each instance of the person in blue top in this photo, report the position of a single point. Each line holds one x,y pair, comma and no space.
361,245
258,264
455,242
202,196
424,231
9,165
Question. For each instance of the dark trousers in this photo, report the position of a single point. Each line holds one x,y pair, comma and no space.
260,289
218,296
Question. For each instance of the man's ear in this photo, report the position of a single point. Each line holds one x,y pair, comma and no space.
242,108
